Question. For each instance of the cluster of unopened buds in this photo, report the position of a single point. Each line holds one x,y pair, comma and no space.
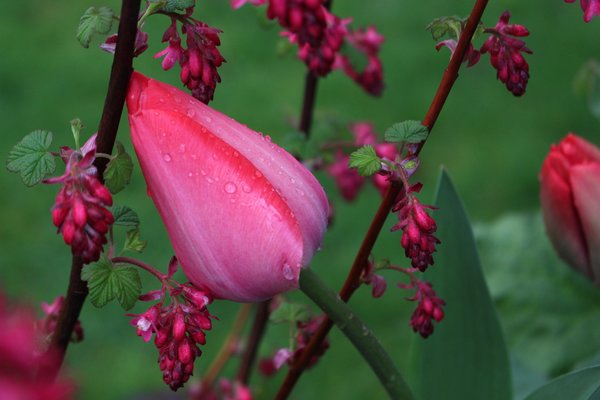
199,61
348,180
22,375
591,8
80,211
321,37
505,48
305,331
178,327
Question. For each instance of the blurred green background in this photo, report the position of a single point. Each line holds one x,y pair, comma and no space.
492,144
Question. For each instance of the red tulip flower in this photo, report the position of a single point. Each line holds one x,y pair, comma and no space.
243,215
570,196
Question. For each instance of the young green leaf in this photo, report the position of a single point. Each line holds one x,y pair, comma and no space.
365,160
133,241
118,171
443,26
406,131
107,282
31,158
76,128
175,5
94,20
125,216
289,312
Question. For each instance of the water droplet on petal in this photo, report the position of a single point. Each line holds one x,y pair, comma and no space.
162,100
300,191
203,172
257,173
190,174
246,188
210,180
236,154
230,187
208,119
182,148
167,157
267,138
190,112
288,272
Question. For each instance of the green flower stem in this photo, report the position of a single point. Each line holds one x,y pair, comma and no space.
358,333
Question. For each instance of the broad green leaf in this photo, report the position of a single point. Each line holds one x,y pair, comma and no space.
107,282
118,171
365,160
579,385
178,5
289,312
549,311
133,241
125,216
465,358
94,20
406,131
31,158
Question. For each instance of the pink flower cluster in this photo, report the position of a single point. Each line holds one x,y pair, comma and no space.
366,41
179,328
80,212
199,61
505,54
322,37
591,8
348,180
226,390
418,228
47,325
429,307
306,330
20,373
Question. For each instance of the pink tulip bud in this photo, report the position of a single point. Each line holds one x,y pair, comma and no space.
570,197
243,215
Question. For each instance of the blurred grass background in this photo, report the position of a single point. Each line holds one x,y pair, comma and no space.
492,144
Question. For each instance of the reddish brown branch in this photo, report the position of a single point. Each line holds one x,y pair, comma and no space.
353,279
107,132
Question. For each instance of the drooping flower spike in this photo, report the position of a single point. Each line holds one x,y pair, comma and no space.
243,215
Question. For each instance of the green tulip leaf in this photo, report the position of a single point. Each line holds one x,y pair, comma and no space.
465,358
579,385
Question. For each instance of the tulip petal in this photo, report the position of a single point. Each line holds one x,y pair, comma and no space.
560,216
585,182
243,215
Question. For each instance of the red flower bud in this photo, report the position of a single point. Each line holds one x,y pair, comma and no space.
243,215
570,197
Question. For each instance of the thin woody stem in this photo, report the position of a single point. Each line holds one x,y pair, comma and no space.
258,329
107,132
353,279
148,268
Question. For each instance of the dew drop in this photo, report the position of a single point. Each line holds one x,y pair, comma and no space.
190,112
300,191
292,180
257,173
230,187
163,134
203,172
267,138
182,148
156,113
167,157
210,180
246,188
162,100
208,119
236,154
190,174
288,272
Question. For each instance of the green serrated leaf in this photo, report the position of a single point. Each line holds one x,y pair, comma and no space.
76,128
31,158
289,312
94,20
125,216
175,5
443,26
406,131
118,171
365,160
107,282
466,356
133,241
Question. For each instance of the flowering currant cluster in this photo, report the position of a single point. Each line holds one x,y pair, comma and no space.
305,331
179,327
47,325
591,8
20,374
199,61
348,180
429,306
321,37
505,51
80,211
